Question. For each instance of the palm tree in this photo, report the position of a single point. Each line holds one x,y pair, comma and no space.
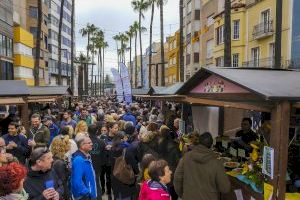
82,60
72,44
87,31
140,6
124,39
38,46
135,29
227,34
93,51
181,59
105,45
130,34
59,41
99,42
117,38
162,52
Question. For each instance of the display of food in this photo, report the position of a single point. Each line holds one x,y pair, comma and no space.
231,165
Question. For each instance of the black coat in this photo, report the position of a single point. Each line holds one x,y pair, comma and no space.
118,187
63,171
35,181
107,156
98,155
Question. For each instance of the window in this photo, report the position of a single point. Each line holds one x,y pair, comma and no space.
2,45
9,47
188,59
255,56
236,29
33,31
45,20
235,60
210,20
209,48
53,20
220,35
197,14
196,57
265,18
220,61
188,38
33,12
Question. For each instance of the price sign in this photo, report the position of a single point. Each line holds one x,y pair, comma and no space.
242,153
225,144
233,152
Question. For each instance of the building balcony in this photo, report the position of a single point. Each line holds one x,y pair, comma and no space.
263,30
263,63
250,3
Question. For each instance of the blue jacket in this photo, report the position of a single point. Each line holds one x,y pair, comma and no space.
129,117
54,131
83,176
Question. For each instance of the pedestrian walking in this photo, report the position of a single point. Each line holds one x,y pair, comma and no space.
83,182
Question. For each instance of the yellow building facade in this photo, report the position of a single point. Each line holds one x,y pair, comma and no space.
172,69
252,34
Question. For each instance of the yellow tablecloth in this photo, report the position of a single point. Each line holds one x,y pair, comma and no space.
292,196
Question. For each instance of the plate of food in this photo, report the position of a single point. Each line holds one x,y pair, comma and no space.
231,165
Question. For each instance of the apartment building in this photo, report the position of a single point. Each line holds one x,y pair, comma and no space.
23,44
6,40
253,34
32,24
54,15
172,70
191,22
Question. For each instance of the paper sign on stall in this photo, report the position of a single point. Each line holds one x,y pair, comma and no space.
268,161
239,194
252,198
242,153
225,144
233,152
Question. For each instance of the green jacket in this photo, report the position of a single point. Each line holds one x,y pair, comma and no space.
41,136
199,175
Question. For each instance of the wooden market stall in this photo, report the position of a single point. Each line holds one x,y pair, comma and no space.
15,92
264,90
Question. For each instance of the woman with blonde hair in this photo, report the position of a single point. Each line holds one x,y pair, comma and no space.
69,131
59,148
81,129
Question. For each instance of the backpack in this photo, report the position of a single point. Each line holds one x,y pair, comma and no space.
122,171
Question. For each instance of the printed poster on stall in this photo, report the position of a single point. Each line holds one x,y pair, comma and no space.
268,162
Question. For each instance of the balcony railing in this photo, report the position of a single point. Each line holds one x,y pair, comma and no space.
263,30
265,62
250,3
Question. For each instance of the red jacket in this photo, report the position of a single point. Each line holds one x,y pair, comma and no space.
152,190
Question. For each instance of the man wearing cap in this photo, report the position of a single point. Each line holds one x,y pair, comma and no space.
199,175
42,182
39,134
128,116
53,128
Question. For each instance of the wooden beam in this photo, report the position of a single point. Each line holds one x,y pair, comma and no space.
239,105
11,101
279,141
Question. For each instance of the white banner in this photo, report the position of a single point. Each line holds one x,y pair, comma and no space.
118,83
126,83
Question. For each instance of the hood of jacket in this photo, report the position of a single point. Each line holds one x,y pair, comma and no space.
201,154
148,136
16,196
79,153
37,174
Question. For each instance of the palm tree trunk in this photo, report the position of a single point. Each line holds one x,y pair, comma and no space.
162,54
103,73
227,34
38,46
100,71
86,69
141,47
136,81
150,51
181,59
92,73
80,79
72,44
59,42
130,64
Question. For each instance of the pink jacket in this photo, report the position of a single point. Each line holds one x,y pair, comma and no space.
152,190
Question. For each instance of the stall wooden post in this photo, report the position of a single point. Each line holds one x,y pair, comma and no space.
279,141
25,115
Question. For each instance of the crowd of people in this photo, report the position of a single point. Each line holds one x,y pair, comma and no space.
100,147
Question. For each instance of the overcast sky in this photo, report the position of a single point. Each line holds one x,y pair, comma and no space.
114,16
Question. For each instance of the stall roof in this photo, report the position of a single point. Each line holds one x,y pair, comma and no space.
140,91
170,90
270,84
10,88
50,91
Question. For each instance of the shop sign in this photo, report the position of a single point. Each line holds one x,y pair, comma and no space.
215,84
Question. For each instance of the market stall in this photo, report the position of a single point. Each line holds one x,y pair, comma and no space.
276,92
13,92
